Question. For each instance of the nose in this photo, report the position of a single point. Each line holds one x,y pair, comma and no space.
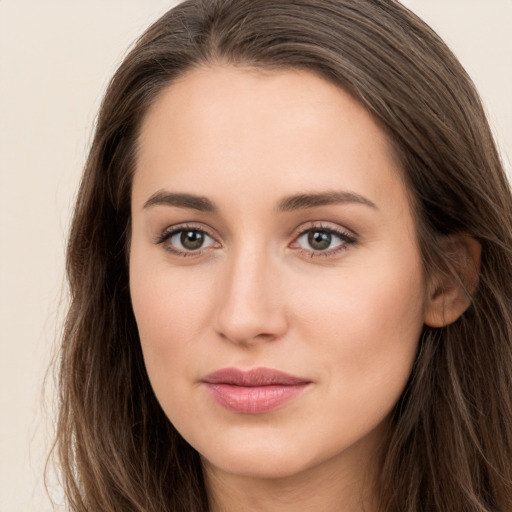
250,309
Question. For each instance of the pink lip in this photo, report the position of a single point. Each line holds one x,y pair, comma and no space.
254,391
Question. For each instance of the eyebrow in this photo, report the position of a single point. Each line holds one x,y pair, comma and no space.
303,201
180,200
291,203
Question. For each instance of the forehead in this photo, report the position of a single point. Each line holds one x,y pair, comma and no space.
223,129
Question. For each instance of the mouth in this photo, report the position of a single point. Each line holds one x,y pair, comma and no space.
255,391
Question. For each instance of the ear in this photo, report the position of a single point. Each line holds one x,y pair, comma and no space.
451,287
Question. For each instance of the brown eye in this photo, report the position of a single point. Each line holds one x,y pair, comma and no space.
192,240
323,241
187,240
319,240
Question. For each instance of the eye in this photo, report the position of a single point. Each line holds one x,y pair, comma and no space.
186,241
323,241
190,240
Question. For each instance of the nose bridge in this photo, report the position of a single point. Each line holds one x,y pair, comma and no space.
249,308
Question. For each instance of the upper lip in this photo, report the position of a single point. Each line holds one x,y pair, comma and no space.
253,378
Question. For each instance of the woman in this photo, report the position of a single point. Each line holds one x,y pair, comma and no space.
290,266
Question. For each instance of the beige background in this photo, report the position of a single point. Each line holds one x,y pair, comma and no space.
55,59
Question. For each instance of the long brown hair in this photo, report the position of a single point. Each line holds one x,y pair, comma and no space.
451,444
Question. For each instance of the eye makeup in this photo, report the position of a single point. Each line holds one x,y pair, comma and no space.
324,241
191,237
315,240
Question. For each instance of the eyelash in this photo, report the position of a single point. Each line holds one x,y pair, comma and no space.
345,238
174,230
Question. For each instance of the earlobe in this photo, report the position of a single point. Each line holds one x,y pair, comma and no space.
450,289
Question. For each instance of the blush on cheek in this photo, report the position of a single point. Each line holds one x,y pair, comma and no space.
379,322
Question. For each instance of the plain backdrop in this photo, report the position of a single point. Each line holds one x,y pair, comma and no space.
55,60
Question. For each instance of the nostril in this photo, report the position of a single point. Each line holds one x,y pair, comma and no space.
262,324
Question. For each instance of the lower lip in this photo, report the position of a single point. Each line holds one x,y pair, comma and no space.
253,400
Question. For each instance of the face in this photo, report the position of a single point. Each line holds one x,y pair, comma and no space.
274,270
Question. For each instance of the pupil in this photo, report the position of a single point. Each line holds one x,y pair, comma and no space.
319,240
192,239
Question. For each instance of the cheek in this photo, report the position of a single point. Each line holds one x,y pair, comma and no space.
171,311
366,328
366,307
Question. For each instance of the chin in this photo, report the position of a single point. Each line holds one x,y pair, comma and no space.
257,467
261,460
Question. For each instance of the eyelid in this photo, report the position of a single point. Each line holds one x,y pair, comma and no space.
348,238
170,231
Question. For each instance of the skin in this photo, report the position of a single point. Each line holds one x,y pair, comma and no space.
257,294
